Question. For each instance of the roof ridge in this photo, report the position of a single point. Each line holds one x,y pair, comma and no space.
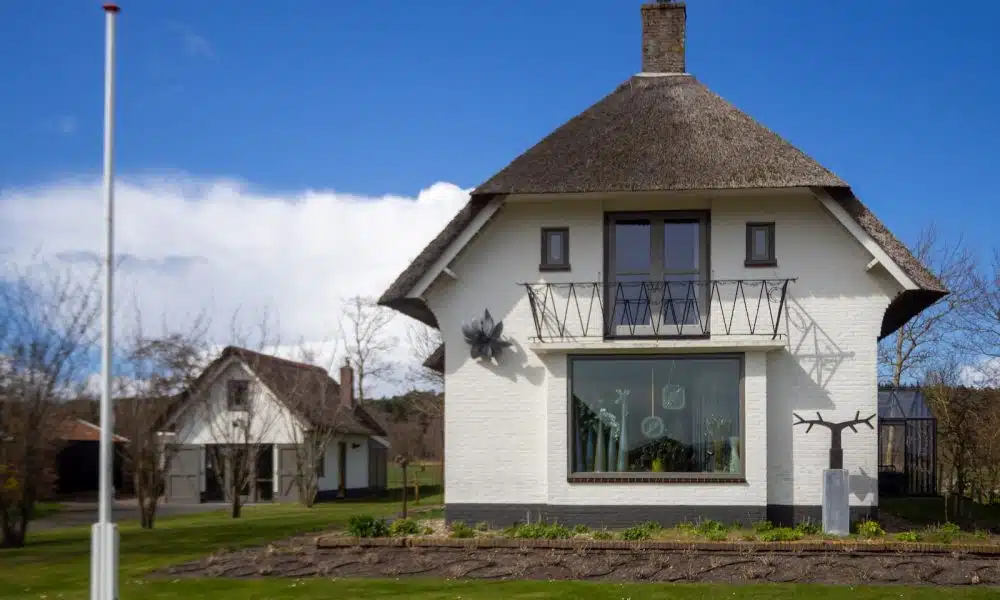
272,357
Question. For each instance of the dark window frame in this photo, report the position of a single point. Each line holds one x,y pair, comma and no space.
545,262
233,389
772,259
666,478
701,216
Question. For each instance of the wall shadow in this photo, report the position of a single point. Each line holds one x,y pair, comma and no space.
863,486
513,364
798,381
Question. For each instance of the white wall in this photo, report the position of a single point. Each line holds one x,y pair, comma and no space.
505,425
357,464
207,420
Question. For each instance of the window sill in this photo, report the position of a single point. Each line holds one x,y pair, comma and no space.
656,478
550,268
760,263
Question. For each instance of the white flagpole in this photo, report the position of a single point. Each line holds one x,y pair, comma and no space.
104,536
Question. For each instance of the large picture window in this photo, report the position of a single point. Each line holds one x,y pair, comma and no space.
656,417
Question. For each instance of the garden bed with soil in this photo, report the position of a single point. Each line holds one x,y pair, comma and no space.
599,560
707,551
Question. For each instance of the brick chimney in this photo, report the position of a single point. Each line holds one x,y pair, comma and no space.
663,25
347,384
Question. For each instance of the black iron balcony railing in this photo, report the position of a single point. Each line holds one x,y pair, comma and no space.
657,309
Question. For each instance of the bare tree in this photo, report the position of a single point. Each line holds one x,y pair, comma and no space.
957,409
916,346
982,321
425,342
155,373
239,420
367,341
48,328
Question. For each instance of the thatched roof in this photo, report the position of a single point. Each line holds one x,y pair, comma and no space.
658,133
666,133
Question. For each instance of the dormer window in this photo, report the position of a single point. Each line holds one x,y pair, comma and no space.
237,394
555,249
760,245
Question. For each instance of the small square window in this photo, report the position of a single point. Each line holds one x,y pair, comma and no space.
237,393
760,245
555,249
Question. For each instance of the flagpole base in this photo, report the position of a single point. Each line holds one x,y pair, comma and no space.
104,561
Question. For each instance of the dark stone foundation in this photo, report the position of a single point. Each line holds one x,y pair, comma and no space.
619,516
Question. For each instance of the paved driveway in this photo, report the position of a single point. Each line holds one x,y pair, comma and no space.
85,513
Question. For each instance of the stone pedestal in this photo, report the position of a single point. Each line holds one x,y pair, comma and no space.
836,502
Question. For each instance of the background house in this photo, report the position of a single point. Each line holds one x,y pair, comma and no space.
268,405
78,459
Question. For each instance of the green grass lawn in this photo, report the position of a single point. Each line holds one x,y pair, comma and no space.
927,511
427,473
55,565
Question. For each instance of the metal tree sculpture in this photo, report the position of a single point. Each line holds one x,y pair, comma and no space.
483,337
836,451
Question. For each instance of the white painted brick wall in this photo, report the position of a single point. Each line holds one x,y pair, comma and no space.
506,424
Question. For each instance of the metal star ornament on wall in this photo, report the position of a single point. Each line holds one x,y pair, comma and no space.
484,337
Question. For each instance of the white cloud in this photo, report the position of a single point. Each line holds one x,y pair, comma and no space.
63,125
192,44
220,247
985,373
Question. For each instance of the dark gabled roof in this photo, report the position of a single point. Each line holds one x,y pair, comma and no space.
435,362
305,389
666,133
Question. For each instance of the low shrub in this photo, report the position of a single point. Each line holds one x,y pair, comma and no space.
367,526
870,529
710,526
581,529
717,536
428,530
539,531
908,536
950,528
687,528
943,534
643,531
603,534
651,526
401,527
780,534
460,530
808,527
482,526
636,533
762,526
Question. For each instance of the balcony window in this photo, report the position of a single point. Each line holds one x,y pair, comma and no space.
657,266
656,418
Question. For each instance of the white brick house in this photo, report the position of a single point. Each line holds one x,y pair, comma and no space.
675,281
271,407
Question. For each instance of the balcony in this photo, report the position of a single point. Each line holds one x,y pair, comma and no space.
657,310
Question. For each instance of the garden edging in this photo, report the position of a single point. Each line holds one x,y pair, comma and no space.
698,546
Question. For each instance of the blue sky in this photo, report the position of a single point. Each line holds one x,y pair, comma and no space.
376,98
